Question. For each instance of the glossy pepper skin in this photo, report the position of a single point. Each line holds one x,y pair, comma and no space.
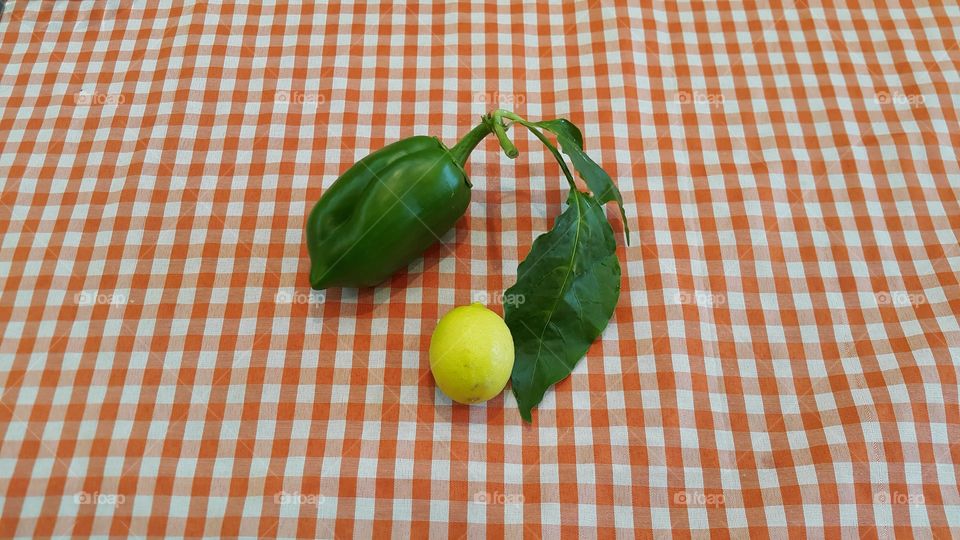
385,211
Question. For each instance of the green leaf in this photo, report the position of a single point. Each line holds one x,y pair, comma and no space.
562,125
567,289
599,182
569,284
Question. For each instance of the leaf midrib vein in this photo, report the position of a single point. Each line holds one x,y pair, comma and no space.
573,256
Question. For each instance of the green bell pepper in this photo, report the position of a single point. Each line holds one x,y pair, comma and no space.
388,208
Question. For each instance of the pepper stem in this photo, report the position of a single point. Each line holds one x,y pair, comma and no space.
461,151
501,131
490,123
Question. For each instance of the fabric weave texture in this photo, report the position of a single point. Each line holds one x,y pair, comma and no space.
782,361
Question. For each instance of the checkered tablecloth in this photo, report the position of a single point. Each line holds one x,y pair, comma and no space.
783,360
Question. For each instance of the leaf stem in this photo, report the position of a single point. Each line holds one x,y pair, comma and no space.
500,113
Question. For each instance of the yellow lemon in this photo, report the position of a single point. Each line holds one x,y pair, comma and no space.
471,354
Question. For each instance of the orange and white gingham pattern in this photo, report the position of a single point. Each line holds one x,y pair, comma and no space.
783,359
